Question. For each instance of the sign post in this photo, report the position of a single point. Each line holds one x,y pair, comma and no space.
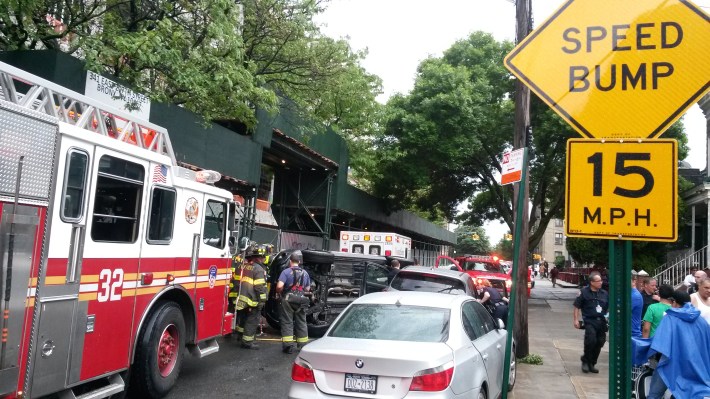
510,323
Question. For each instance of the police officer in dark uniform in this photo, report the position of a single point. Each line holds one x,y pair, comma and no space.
593,304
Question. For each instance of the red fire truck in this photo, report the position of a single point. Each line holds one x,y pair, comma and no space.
481,267
114,259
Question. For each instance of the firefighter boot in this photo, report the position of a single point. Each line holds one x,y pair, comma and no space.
250,345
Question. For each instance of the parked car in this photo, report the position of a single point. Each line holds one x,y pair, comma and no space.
337,279
419,278
405,345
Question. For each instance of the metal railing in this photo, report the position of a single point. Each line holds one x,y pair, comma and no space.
676,272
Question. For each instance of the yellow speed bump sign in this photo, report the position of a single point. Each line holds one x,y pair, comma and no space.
618,69
622,189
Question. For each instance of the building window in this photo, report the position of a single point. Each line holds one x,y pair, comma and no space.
559,223
558,254
558,238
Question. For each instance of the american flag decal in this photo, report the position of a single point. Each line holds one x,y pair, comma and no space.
160,174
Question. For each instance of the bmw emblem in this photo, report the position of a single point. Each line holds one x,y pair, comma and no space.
359,363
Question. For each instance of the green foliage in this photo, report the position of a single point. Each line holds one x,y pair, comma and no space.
646,255
559,261
219,58
437,140
531,359
471,240
504,249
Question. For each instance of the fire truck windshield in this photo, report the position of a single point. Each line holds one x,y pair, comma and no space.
482,267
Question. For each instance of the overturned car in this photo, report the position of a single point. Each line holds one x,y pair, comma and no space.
337,278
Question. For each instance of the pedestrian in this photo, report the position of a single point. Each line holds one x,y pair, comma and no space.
701,299
636,307
649,292
655,312
495,303
251,295
699,275
293,286
543,270
639,282
592,303
683,340
553,275
393,270
690,277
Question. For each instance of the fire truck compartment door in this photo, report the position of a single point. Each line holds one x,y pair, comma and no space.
53,345
25,230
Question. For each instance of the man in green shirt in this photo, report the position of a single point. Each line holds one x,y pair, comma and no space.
656,311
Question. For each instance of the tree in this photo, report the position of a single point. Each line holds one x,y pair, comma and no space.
437,140
218,58
443,143
471,240
504,249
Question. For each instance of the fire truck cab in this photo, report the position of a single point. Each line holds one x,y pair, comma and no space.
114,258
481,267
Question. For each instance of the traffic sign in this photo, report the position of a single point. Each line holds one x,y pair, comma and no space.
511,167
618,69
622,189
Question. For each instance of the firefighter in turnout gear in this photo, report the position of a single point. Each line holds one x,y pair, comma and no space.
237,261
250,282
293,287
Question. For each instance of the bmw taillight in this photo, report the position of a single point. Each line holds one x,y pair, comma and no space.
302,372
434,379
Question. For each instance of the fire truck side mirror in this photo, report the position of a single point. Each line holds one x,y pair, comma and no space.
243,243
232,241
231,216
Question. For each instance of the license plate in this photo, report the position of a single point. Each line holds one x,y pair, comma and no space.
360,383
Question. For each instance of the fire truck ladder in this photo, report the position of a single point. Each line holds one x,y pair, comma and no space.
81,111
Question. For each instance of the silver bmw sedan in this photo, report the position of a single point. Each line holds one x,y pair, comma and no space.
406,345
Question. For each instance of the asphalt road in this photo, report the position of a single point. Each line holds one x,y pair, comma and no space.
234,372
266,373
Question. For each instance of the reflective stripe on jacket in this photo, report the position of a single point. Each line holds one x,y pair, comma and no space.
252,279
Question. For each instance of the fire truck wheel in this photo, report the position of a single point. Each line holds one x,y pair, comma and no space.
160,351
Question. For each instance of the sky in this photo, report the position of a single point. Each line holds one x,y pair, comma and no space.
399,34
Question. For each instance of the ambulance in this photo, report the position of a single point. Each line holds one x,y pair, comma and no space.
380,244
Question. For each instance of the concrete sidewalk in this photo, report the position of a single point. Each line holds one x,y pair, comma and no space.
552,336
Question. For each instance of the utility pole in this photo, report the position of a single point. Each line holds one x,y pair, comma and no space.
523,22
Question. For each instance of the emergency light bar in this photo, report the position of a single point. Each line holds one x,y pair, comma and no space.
207,176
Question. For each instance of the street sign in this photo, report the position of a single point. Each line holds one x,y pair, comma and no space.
618,69
620,189
511,167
